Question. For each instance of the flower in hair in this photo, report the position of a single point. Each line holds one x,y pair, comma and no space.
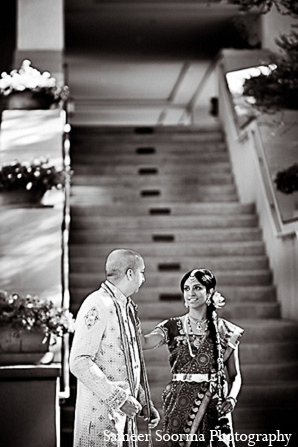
218,300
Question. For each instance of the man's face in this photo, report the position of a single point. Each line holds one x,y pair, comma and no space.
138,276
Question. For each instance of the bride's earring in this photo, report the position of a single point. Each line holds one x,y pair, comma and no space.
208,300
185,304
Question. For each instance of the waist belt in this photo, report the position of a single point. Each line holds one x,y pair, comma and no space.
191,378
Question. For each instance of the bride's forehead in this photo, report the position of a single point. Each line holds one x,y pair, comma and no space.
192,281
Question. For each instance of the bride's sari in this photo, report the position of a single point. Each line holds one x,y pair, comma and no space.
190,397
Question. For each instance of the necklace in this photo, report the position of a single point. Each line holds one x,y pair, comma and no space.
201,325
198,340
198,337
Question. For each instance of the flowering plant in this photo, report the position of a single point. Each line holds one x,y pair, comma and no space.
284,7
34,314
287,180
29,78
277,89
38,176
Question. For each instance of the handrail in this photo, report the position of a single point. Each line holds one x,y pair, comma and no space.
191,104
240,130
267,180
288,234
163,104
126,102
282,229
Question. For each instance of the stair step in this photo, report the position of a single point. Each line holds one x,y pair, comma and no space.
160,263
250,353
156,223
238,277
145,132
151,181
240,310
242,248
269,330
263,416
154,294
270,393
250,373
85,158
130,135
105,194
153,198
131,147
108,235
175,209
150,138
162,310
131,131
284,372
106,168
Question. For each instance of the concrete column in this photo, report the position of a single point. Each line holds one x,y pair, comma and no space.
40,35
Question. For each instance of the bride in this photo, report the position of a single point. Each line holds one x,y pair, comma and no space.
204,362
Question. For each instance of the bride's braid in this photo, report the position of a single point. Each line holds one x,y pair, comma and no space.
219,359
207,278
212,329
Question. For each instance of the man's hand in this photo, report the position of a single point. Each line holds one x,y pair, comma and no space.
131,407
154,416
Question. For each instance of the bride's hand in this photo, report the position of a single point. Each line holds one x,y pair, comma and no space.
228,405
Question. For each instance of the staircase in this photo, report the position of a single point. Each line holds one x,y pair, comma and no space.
169,194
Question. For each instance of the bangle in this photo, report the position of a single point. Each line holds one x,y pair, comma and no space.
234,399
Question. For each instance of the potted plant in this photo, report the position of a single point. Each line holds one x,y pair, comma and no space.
28,181
278,89
28,325
286,181
28,88
285,7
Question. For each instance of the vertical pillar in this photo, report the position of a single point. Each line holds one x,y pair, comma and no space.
273,25
40,35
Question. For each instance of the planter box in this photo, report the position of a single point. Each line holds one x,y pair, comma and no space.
20,196
28,100
24,348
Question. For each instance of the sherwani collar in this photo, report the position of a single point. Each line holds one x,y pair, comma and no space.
116,292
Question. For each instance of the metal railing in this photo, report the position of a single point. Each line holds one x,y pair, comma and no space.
251,131
190,108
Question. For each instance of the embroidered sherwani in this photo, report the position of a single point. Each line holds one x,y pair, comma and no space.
98,360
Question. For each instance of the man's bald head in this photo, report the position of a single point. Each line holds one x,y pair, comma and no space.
119,261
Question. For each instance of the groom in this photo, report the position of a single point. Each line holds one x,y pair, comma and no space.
107,359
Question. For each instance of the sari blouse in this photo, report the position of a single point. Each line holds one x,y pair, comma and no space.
173,331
